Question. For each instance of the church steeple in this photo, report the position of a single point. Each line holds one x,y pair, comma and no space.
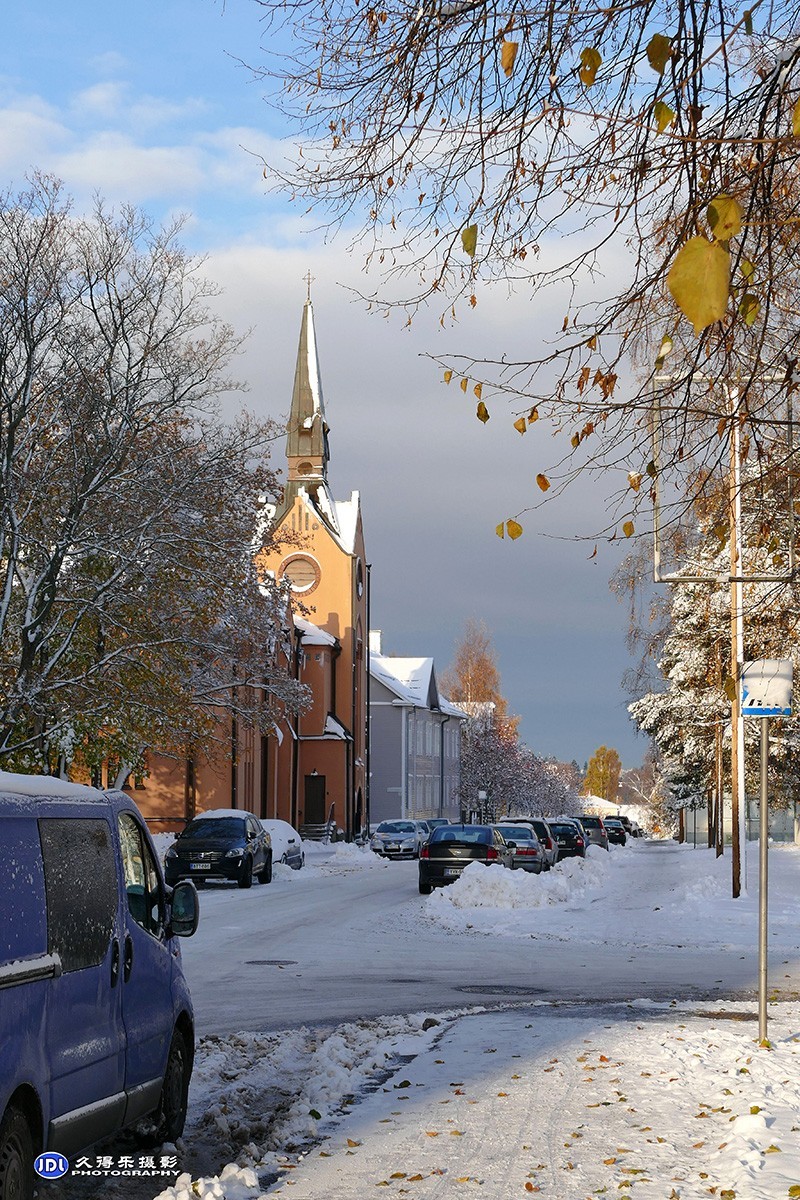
307,439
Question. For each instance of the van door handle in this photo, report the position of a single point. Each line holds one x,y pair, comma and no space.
114,963
128,964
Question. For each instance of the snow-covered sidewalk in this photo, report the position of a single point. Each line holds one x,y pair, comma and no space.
635,1101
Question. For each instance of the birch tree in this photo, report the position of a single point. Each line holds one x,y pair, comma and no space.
632,171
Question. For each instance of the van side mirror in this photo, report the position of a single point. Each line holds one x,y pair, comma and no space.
184,909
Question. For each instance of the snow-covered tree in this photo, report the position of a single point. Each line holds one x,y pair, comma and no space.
686,716
130,614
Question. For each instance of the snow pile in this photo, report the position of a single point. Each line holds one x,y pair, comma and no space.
260,1097
347,857
574,880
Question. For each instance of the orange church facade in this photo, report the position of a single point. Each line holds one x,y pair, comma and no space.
314,766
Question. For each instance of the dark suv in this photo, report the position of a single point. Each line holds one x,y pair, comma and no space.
569,837
221,844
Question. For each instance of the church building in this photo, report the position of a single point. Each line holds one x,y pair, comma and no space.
313,768
321,767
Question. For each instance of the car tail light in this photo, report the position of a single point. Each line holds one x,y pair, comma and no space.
424,852
530,851
578,841
492,854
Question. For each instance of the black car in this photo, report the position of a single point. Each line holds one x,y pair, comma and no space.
615,830
569,838
223,844
451,848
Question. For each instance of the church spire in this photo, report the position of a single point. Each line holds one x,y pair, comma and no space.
307,438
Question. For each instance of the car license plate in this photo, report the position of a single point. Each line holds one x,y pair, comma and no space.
392,847
450,871
199,866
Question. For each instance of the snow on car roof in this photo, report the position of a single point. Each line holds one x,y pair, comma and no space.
45,785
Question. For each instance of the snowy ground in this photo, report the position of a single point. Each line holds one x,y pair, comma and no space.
650,1098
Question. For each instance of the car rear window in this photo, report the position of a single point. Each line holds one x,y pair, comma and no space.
473,834
519,833
564,830
591,822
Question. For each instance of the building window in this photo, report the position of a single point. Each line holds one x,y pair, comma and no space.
303,573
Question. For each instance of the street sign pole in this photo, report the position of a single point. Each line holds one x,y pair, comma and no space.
766,691
763,840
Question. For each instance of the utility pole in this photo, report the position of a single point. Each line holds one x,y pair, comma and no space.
737,648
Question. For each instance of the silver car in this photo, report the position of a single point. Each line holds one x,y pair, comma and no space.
399,839
595,830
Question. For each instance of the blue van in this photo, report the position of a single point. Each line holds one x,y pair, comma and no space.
96,1022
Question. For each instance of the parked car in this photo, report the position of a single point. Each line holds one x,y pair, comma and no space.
542,830
570,838
96,1022
224,843
399,839
626,822
434,822
287,845
595,829
615,830
451,848
527,853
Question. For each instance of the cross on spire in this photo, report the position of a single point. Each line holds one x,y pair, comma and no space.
309,279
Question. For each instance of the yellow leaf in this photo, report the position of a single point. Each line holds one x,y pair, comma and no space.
590,65
628,528
478,390
500,530
514,531
747,269
635,480
431,1133
543,482
699,281
415,1178
469,240
460,1132
663,114
609,1162
749,308
772,1150
533,415
575,441
794,1190
796,119
350,1142
482,412
508,53
448,375
729,687
724,217
592,343
521,425
659,52
463,384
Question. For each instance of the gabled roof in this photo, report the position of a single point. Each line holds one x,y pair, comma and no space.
412,681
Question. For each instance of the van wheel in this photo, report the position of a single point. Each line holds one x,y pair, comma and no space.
265,874
246,877
16,1157
167,1122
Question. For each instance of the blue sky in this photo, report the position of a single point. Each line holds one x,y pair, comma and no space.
148,103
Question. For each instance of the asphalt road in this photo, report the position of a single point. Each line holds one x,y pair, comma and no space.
320,949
